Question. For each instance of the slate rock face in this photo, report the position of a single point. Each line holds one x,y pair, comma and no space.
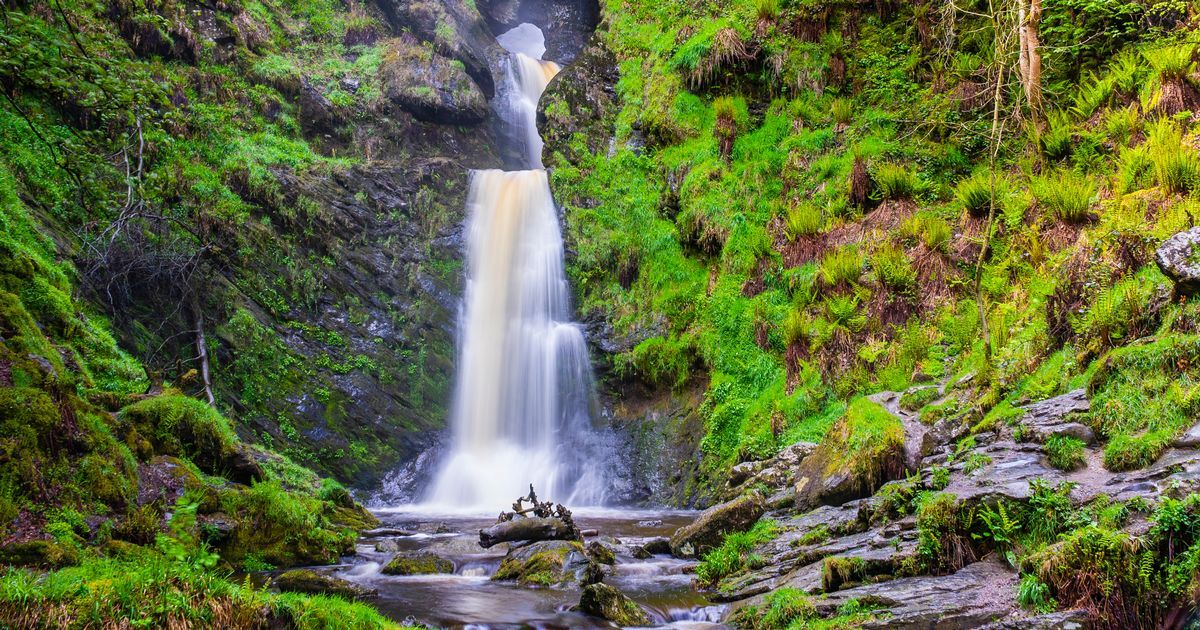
710,528
430,86
1179,259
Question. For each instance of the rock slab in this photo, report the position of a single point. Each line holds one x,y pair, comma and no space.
709,529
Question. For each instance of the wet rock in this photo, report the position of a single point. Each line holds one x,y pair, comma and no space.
216,528
579,101
313,583
387,531
430,86
606,602
417,563
650,523
1052,417
388,545
455,29
659,545
1062,620
775,473
975,595
711,526
1179,259
546,563
318,115
842,469
598,552
165,479
39,553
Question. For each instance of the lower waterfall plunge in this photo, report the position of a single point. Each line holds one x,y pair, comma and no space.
522,405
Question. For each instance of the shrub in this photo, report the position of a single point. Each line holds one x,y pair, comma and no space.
843,311
1034,594
893,181
733,556
1176,165
1066,195
803,220
842,111
975,193
929,229
842,266
893,268
1171,62
1057,140
1065,453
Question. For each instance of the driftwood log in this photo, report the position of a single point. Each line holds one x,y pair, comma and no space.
522,529
542,520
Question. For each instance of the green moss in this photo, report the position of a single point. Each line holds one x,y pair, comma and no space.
418,564
867,441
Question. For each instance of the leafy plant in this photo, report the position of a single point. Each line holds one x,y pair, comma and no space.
842,111
1065,453
893,181
975,193
842,266
1034,594
1066,195
893,268
803,220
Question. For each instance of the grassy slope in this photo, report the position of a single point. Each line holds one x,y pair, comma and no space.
794,299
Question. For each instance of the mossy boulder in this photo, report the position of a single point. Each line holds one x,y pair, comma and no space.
185,427
604,601
313,583
710,528
429,86
417,563
546,563
281,527
164,479
863,450
39,553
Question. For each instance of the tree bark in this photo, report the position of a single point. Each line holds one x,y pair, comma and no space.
526,529
1030,55
202,352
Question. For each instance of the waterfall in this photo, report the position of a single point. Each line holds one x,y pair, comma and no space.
521,412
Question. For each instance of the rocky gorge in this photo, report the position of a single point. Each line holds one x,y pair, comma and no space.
820,314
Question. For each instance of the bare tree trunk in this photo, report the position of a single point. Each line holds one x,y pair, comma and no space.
202,351
1030,55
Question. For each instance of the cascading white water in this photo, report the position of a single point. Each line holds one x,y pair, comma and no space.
522,406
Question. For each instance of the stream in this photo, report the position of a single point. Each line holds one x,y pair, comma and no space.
468,598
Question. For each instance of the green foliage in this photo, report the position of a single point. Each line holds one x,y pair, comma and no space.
927,229
842,111
1065,453
893,268
842,266
735,554
1171,62
975,193
894,181
1067,196
1034,595
1176,165
803,220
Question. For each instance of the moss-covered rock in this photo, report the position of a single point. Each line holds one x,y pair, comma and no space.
39,553
430,86
606,602
546,563
280,527
186,427
863,450
313,583
710,527
417,563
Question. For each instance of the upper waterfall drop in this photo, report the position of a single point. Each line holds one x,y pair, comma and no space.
524,390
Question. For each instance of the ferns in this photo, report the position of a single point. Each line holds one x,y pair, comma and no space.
1067,196
893,269
842,111
931,230
1176,166
1057,139
1172,62
842,311
842,266
896,182
803,220
1034,594
975,193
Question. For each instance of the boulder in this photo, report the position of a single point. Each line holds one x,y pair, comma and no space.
863,450
1179,259
430,86
599,552
709,529
455,29
313,583
1052,417
604,601
546,563
387,545
417,563
39,553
